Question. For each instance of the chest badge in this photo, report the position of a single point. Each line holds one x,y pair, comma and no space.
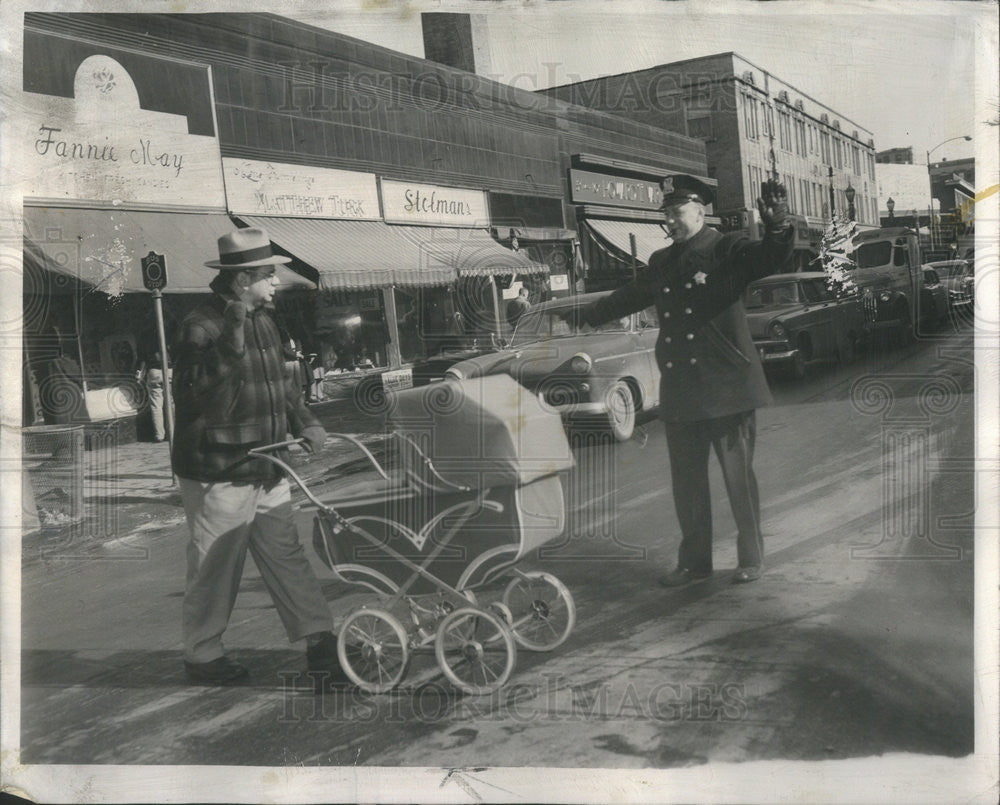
700,277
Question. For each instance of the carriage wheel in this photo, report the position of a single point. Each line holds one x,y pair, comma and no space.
373,650
475,650
543,610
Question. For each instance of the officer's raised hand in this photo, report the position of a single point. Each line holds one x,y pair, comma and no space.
773,206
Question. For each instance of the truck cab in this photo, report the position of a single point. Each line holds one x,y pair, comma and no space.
887,273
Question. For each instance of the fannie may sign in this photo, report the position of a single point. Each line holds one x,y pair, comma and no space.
86,135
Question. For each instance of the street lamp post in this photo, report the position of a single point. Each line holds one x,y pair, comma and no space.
890,205
833,206
849,192
930,183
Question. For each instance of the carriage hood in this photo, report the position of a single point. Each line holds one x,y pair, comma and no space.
484,431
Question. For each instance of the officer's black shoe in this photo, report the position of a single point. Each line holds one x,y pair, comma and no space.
323,665
743,575
679,577
220,671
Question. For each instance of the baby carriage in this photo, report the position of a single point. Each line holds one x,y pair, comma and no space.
472,486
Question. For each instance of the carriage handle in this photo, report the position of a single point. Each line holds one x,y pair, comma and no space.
429,464
263,452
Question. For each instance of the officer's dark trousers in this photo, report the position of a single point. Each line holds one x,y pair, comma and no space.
733,438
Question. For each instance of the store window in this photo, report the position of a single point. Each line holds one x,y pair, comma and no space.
350,332
453,317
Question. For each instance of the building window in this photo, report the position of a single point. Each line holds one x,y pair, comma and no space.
698,114
806,196
700,127
750,116
825,140
857,160
838,153
792,203
784,134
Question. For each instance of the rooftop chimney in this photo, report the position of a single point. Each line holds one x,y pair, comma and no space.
458,40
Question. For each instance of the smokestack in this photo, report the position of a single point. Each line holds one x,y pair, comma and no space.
457,40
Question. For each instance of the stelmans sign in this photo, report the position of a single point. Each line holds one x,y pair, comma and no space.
409,203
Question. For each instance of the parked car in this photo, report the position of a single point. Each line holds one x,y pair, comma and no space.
373,392
605,373
934,304
958,277
795,319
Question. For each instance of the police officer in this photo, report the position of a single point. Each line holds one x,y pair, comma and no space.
711,378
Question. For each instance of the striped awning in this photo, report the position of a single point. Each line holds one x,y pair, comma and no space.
104,248
354,255
648,237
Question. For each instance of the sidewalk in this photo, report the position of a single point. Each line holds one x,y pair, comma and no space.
130,488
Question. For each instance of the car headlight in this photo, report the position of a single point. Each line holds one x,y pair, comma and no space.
777,329
581,363
884,296
454,373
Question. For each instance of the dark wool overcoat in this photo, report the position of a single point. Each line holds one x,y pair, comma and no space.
708,364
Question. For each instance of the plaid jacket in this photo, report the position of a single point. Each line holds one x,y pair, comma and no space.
227,402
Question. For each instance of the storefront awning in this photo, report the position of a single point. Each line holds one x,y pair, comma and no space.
648,237
354,255
104,248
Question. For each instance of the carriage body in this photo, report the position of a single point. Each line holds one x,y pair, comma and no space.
474,486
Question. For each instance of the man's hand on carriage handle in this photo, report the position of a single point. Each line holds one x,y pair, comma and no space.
773,206
314,437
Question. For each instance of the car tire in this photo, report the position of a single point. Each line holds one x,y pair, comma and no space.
621,411
797,366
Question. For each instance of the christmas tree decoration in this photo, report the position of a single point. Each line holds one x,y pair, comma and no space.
834,256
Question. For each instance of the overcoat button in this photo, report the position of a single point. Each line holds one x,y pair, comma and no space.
670,365
694,360
667,339
666,314
687,284
666,289
690,336
687,310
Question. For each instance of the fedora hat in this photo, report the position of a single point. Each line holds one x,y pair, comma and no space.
680,188
246,248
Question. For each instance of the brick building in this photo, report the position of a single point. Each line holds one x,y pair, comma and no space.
398,185
754,125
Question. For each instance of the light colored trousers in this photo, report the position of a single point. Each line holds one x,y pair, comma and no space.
154,387
225,519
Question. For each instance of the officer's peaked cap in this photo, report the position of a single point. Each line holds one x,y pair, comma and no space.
680,187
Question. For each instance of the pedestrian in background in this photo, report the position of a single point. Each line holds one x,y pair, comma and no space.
232,393
152,375
518,306
711,379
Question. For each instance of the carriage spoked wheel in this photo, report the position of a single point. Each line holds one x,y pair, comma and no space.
373,650
542,610
475,650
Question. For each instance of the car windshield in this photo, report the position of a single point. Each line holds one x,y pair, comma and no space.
772,293
543,324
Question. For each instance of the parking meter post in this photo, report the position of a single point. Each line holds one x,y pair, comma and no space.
168,406
635,253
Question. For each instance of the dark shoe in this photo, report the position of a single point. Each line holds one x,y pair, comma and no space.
678,577
323,665
746,574
220,671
